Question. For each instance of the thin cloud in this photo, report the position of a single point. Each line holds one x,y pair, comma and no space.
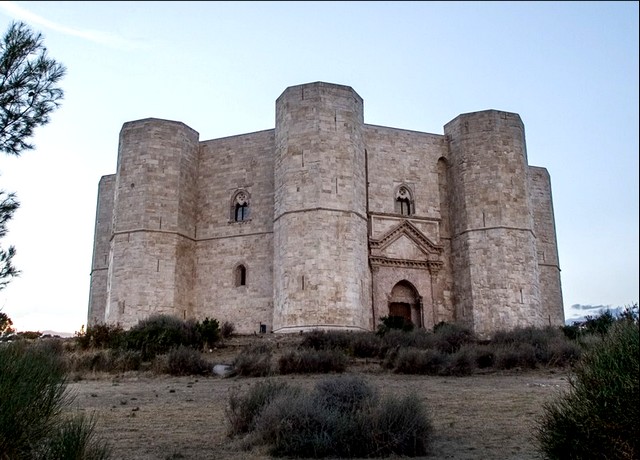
589,307
101,38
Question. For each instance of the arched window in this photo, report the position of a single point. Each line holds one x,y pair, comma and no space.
241,212
240,275
240,206
404,202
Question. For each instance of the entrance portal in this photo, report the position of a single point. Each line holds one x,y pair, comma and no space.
405,303
400,309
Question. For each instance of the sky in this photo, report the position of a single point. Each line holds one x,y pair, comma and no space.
569,69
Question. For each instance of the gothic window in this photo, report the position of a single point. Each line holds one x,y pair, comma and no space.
240,206
240,275
404,202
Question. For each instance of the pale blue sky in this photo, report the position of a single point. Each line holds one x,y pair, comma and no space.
570,69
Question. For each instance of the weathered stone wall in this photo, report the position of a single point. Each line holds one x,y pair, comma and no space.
101,245
226,166
545,228
151,270
407,158
321,271
324,243
493,242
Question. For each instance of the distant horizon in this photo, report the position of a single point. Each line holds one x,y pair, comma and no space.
598,310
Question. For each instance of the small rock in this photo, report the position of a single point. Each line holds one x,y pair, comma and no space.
222,369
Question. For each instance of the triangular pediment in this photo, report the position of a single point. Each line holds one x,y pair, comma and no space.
404,247
405,238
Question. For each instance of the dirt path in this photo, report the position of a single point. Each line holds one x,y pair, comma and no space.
148,417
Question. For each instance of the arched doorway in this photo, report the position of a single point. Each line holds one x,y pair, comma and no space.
405,303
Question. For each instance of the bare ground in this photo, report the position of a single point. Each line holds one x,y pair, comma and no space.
149,417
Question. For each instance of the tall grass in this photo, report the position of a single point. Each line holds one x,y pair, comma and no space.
75,438
33,397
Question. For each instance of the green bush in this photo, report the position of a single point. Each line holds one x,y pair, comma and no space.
253,361
101,336
600,414
599,324
158,334
32,398
208,333
308,361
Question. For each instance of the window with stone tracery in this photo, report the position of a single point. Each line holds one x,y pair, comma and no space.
240,206
404,201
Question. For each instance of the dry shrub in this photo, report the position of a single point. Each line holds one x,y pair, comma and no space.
227,329
327,340
366,345
462,362
254,361
515,355
309,361
182,361
416,338
244,408
449,337
416,361
343,417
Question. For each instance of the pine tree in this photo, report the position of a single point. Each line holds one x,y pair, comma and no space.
28,94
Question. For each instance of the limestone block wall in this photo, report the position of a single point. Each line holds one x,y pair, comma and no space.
493,241
151,262
551,301
101,245
226,166
397,158
321,272
322,244
384,280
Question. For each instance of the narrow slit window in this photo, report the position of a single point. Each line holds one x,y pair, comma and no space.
241,275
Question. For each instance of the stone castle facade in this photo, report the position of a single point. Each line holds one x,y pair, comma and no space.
327,222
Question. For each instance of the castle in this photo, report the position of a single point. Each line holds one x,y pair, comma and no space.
326,222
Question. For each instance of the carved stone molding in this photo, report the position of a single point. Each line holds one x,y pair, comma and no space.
433,266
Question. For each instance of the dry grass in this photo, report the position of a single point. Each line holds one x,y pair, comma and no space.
144,416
